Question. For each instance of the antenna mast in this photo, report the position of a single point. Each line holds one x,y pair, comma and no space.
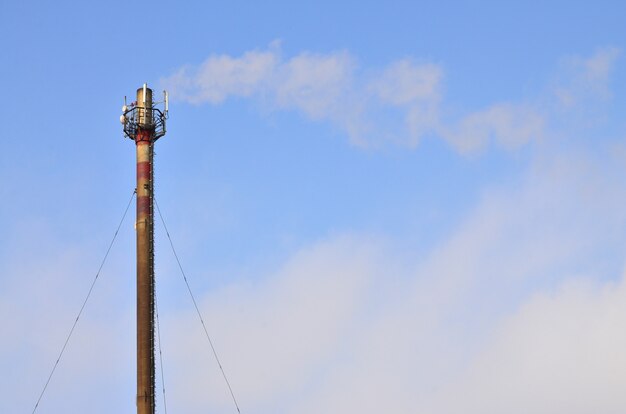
144,123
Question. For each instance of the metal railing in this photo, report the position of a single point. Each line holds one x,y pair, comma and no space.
146,119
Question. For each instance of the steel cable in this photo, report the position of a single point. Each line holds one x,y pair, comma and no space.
195,304
93,283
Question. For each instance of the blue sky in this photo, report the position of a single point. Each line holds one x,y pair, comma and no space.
382,206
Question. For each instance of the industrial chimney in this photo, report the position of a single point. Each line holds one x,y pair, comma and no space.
144,123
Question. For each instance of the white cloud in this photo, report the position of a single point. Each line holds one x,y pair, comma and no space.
399,104
315,84
271,334
560,352
327,87
509,125
222,76
413,89
405,82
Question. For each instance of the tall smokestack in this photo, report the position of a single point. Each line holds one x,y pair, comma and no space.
145,254
144,124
